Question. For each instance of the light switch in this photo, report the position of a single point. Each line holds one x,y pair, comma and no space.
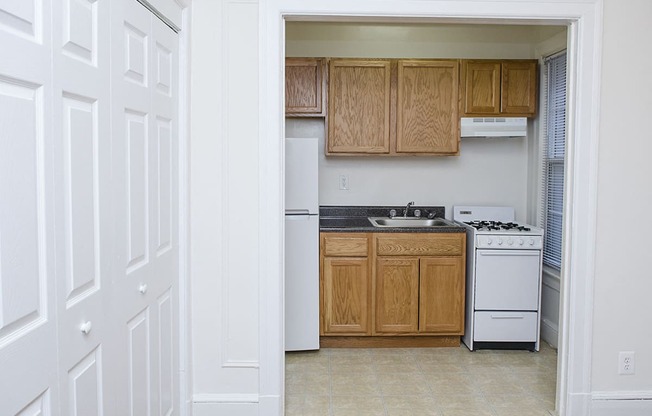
344,182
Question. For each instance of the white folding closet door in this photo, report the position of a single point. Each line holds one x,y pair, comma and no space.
81,56
88,209
145,200
28,366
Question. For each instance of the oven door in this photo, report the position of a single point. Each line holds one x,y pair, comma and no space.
507,279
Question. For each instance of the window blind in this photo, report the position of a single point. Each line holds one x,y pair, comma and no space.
553,149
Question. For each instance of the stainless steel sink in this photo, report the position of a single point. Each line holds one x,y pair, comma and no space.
410,222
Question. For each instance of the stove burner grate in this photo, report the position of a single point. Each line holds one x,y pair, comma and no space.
496,226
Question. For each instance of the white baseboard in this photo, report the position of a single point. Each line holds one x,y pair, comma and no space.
578,404
623,403
622,395
549,332
226,405
270,405
225,409
225,398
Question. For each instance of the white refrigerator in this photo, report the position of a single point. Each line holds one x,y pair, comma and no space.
301,245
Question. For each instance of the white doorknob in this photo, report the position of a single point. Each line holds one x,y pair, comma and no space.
142,288
86,327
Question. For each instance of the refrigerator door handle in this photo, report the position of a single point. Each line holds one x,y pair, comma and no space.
297,212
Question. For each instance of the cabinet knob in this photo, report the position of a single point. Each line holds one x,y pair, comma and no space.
142,288
86,327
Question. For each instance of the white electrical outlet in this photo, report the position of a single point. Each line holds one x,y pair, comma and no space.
626,362
344,182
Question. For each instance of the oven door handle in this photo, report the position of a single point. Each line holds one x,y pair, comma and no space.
507,316
502,253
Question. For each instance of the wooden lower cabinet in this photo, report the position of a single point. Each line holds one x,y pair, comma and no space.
345,284
345,296
441,295
419,295
397,288
415,288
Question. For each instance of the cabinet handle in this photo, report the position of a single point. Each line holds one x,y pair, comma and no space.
142,288
86,327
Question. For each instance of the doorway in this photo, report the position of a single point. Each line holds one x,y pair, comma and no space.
314,381
578,251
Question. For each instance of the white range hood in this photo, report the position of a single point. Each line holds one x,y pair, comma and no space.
493,127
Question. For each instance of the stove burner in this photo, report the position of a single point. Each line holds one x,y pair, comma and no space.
496,225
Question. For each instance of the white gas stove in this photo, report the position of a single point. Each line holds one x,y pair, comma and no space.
503,288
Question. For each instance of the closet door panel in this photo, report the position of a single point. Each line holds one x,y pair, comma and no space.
145,195
28,361
82,93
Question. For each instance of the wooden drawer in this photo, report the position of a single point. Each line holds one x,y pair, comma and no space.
420,244
345,245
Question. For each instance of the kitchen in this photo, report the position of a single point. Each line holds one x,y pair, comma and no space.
488,171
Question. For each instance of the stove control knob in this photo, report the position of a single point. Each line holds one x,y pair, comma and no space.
489,241
510,241
500,241
520,241
531,241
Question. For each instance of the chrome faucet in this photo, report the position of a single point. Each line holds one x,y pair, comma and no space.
407,208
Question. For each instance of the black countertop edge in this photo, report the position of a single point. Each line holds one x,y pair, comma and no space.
377,211
344,219
372,229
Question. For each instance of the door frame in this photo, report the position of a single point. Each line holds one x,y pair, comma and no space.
584,21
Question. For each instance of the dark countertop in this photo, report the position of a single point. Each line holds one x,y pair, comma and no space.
353,219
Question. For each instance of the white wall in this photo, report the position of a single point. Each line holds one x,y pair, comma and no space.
399,40
487,172
623,280
224,207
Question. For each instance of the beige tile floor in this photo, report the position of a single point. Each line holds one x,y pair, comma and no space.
420,382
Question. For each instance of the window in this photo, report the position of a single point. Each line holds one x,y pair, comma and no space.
553,151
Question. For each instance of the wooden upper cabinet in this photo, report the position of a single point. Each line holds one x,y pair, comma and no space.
498,88
427,101
519,88
397,291
480,87
441,300
305,87
358,106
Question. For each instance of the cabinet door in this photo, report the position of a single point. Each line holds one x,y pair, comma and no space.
519,88
480,87
397,295
441,302
358,106
304,87
345,296
427,109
